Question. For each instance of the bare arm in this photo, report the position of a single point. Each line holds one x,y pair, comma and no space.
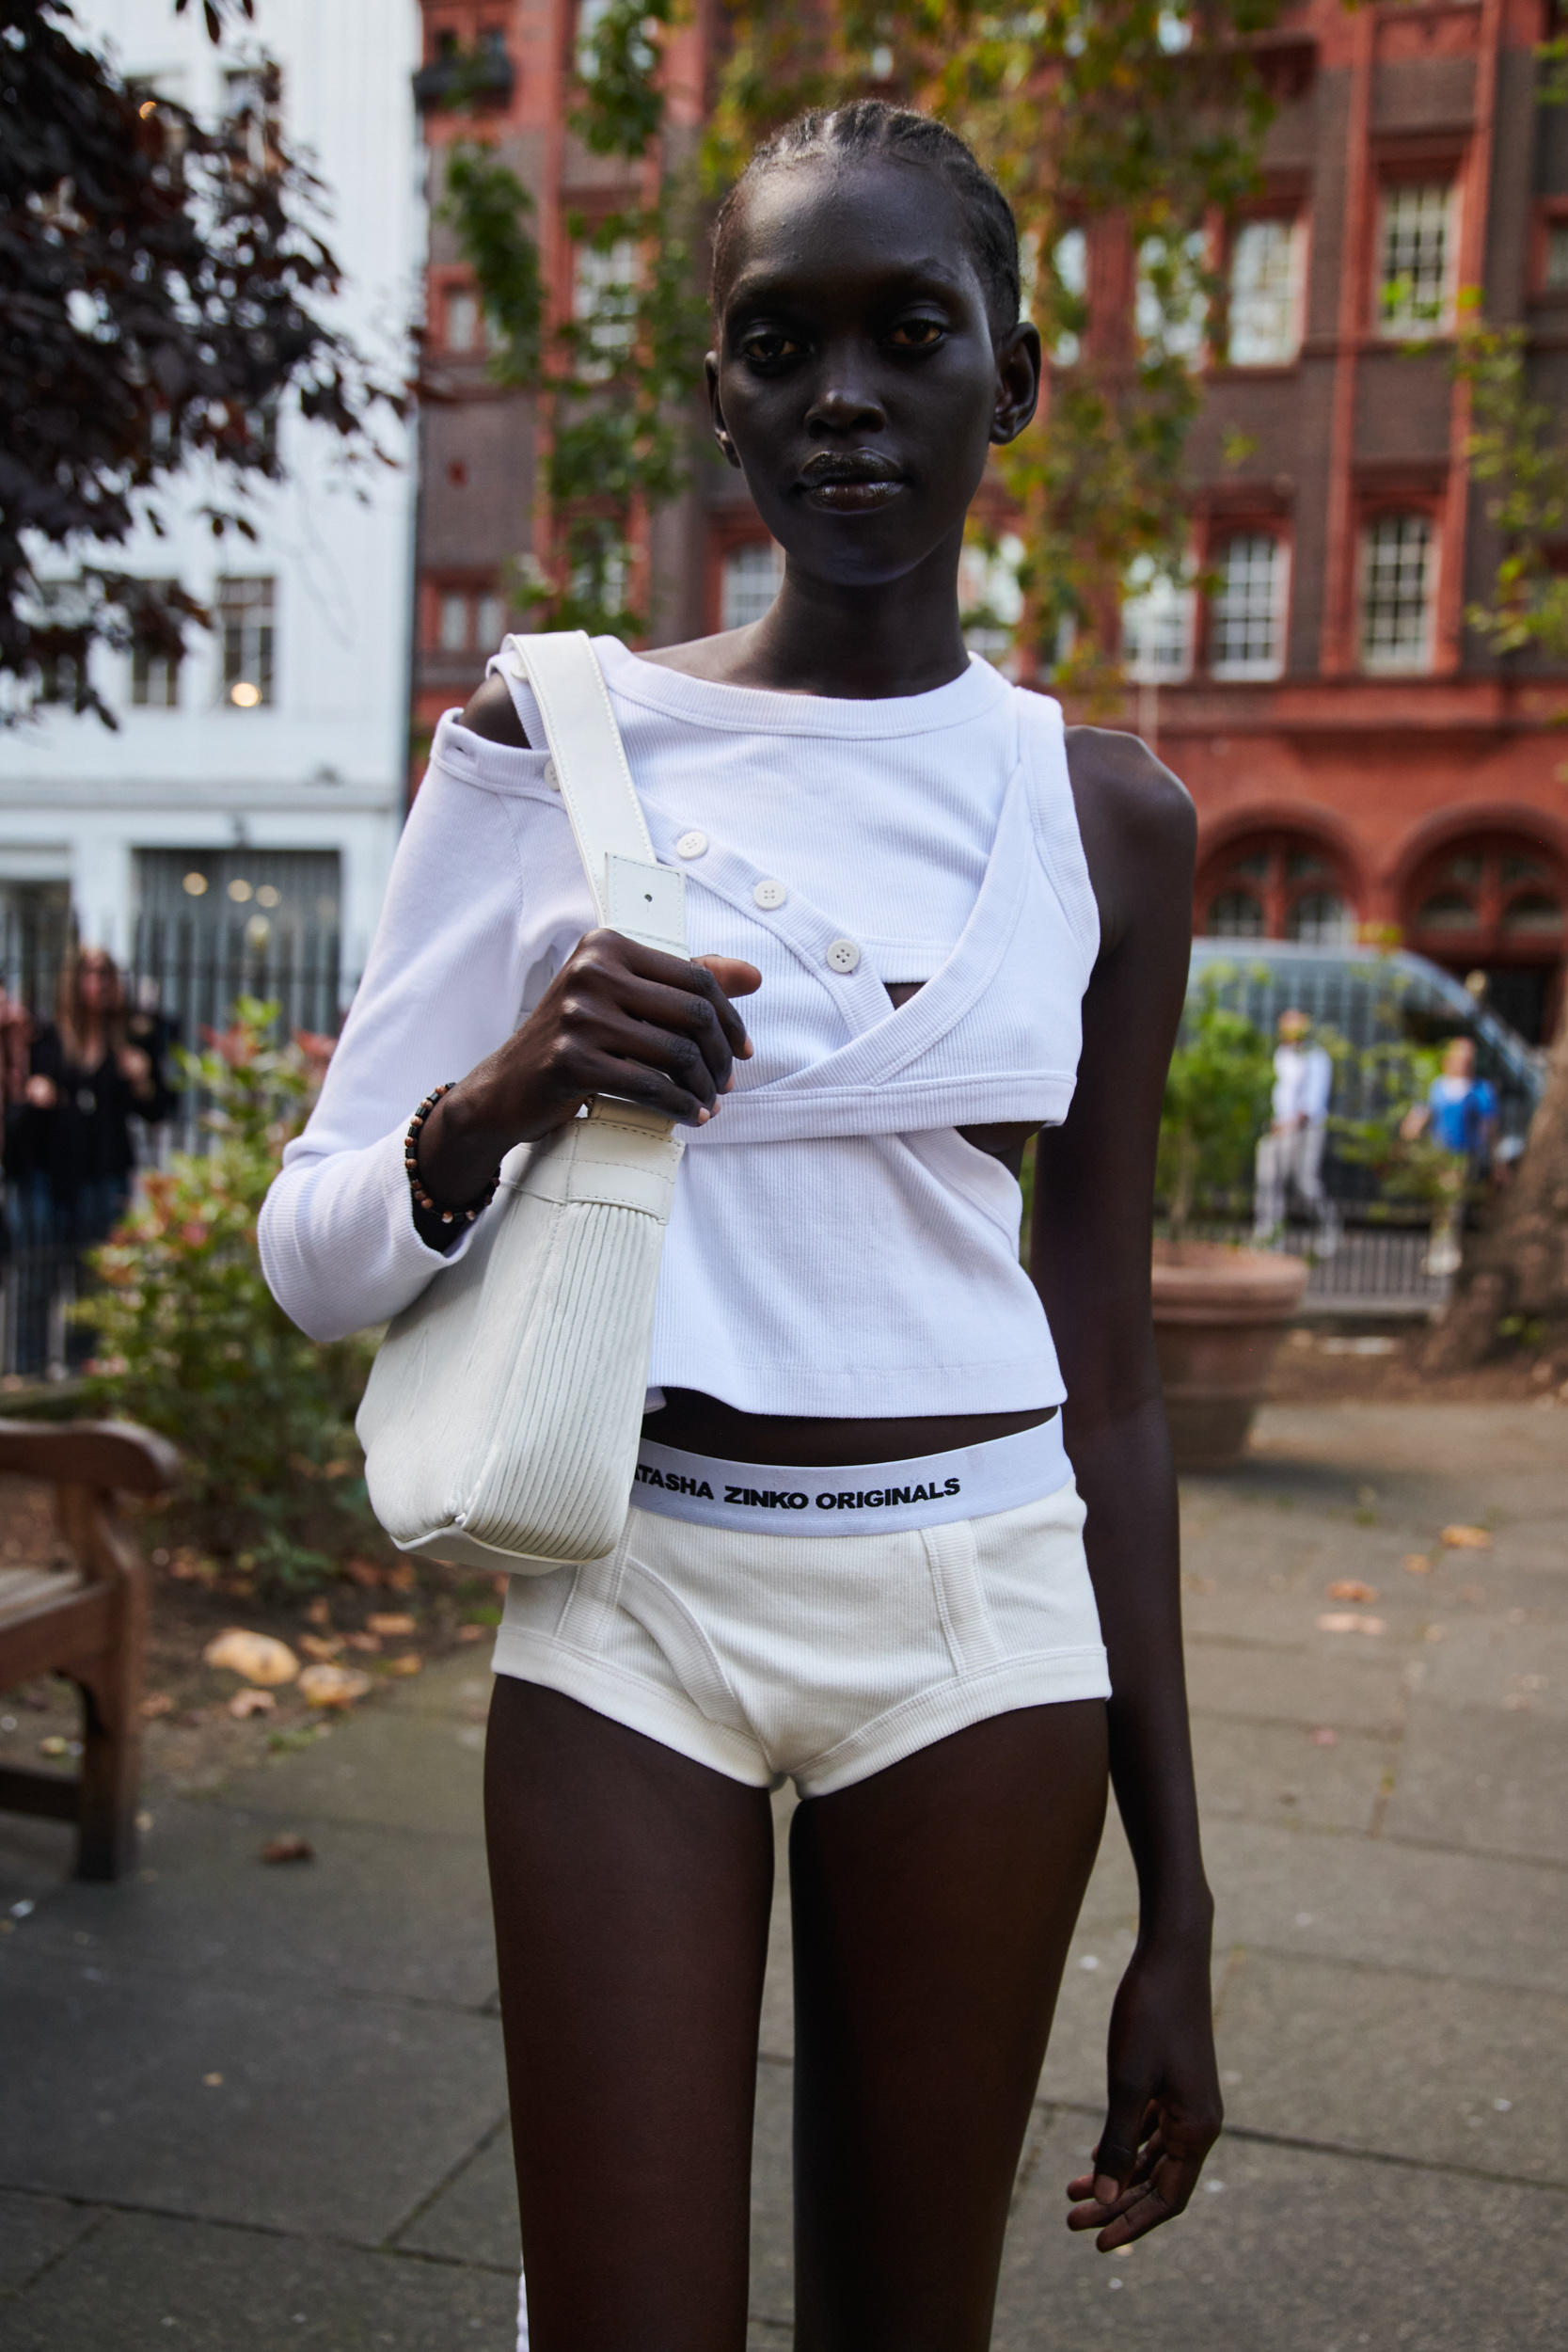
1092,1222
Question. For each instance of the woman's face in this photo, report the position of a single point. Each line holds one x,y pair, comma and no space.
94,984
856,383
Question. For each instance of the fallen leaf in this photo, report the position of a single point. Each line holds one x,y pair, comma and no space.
364,1573
333,1686
1349,1621
157,1703
54,1745
1466,1539
1325,1736
1197,1583
256,1656
398,1622
324,1648
214,2082
318,1614
1351,1588
401,1578
409,1663
1474,1594
1417,1563
246,1703
288,1848
1436,1633
368,1642
473,1632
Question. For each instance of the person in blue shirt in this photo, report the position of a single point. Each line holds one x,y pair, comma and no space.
1461,1111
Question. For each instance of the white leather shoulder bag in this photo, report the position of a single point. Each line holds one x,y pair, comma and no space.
502,1418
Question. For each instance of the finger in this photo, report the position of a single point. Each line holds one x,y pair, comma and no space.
1129,2121
697,976
735,977
674,1052
634,1081
678,1013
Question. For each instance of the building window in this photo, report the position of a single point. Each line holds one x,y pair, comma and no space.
1396,592
463,324
245,628
604,307
1264,295
749,583
1555,270
466,621
1247,618
1156,626
154,677
1171,308
1415,257
1278,886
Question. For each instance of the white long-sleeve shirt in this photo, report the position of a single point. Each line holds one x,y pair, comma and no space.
834,1248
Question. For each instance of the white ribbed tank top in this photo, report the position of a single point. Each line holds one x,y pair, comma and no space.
835,1249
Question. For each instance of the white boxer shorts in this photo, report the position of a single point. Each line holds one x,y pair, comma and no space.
819,1658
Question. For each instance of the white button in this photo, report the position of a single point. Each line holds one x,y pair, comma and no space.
842,956
770,894
550,777
691,844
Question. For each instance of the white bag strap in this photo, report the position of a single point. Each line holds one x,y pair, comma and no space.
632,892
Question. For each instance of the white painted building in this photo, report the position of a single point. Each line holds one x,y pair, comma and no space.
281,744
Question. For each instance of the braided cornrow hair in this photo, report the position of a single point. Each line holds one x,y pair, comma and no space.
868,127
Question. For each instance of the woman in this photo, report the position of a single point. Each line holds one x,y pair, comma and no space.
69,1151
861,812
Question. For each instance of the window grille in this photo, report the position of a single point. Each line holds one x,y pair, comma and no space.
1396,598
1264,331
1556,257
245,628
154,673
461,319
1413,273
452,622
1156,628
604,303
1249,611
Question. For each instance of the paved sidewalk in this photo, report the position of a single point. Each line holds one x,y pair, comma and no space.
249,2107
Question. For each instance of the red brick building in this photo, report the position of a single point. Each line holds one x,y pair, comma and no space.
1359,759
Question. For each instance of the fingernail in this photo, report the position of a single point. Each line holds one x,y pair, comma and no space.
1105,2189
702,1117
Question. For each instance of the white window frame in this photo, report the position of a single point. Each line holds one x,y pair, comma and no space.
1396,662
1185,338
1404,326
1288,350
1274,667
734,603
606,341
1156,599
256,662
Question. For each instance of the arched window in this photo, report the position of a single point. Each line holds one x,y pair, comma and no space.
1276,886
1495,904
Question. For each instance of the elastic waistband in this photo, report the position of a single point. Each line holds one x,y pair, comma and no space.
869,1498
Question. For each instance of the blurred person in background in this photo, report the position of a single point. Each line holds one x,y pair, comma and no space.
70,1156
1460,1114
1291,1151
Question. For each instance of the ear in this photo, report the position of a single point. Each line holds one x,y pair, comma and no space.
720,430
1018,382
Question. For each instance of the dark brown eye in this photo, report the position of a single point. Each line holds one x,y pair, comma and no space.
766,345
916,334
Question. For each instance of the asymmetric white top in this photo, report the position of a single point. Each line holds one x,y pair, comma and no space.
834,1248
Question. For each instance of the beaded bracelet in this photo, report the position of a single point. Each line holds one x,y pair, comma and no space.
422,1199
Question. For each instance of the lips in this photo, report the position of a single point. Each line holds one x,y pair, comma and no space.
849,482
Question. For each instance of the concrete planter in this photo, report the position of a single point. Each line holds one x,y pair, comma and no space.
1219,1315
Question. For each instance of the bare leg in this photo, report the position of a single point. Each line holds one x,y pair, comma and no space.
933,1908
631,1889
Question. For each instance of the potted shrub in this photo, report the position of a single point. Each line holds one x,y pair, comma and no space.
1220,1311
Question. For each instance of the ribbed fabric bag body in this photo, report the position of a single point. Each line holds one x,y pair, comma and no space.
502,1418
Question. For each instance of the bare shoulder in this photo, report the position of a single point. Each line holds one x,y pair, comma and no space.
492,713
1118,781
1138,826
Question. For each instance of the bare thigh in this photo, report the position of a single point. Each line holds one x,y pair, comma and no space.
933,1906
632,1890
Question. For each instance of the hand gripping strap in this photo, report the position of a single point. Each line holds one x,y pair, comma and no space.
633,893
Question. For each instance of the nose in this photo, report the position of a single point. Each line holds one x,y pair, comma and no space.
844,403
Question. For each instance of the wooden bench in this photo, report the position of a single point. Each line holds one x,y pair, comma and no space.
87,1621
